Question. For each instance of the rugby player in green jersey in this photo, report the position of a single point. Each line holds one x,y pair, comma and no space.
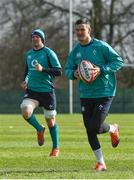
95,97
42,65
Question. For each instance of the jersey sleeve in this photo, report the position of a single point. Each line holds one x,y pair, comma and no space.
70,66
55,68
53,58
113,61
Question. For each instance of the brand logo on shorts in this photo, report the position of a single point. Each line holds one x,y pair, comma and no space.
82,108
25,95
100,107
50,106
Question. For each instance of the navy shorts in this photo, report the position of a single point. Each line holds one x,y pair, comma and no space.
95,110
45,99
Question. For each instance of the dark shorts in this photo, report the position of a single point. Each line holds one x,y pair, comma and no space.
45,99
95,110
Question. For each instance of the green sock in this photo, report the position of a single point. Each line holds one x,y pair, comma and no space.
54,136
32,120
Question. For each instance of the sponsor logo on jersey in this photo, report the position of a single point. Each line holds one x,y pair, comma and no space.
29,57
34,62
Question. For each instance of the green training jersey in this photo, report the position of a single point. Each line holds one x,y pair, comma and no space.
101,54
40,81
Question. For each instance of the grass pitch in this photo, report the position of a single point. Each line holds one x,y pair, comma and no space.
22,158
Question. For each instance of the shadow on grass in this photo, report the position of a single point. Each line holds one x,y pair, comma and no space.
34,170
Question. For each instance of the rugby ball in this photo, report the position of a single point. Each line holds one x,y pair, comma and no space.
86,71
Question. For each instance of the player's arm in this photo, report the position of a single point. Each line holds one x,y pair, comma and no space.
53,71
71,69
113,61
54,67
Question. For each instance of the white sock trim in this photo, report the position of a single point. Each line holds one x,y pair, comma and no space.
112,128
99,156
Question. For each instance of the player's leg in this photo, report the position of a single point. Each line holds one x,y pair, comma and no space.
96,126
101,108
53,129
88,106
49,108
100,113
27,108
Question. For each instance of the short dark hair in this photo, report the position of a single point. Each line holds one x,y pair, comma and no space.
82,21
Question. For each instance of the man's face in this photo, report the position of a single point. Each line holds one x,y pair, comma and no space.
36,40
82,32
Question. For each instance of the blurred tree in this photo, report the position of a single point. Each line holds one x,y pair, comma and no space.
111,20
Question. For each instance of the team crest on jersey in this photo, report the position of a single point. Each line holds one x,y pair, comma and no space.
78,55
42,56
94,52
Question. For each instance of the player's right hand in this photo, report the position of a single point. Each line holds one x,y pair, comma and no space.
23,85
38,67
76,74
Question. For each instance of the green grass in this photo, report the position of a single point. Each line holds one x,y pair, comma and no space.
22,158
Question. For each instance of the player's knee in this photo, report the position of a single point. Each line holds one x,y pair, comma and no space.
50,117
26,111
50,122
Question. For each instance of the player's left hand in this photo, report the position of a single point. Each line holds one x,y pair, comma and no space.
24,85
38,67
97,71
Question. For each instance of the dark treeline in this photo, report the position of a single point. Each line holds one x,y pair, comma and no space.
111,21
